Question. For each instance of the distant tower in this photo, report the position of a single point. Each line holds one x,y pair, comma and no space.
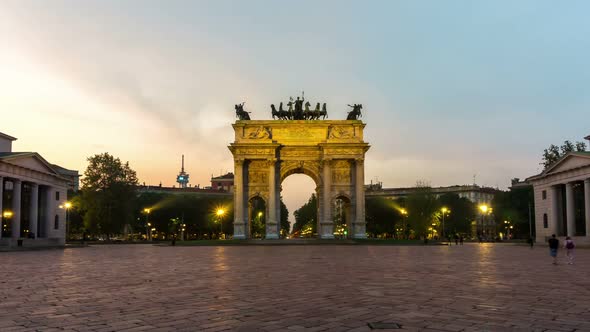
182,177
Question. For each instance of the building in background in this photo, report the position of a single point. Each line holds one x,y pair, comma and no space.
194,191
223,182
33,193
474,193
72,176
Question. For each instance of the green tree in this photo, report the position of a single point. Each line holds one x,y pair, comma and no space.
285,224
513,206
382,216
75,214
108,194
554,152
421,206
462,213
306,216
198,213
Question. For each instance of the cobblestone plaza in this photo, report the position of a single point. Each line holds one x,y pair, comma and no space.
475,287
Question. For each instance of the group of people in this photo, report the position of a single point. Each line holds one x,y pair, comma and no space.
568,246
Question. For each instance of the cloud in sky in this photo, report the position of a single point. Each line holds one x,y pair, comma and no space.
450,89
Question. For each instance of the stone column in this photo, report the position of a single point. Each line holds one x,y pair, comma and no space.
570,210
359,181
239,225
48,223
553,222
587,205
1,211
16,201
326,225
271,221
34,209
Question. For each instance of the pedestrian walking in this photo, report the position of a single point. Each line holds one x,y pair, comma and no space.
553,246
569,250
461,240
456,239
530,241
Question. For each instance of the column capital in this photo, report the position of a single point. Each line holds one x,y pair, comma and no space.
239,162
587,181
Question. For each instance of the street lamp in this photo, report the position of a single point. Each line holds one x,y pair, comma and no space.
404,213
444,211
220,213
484,209
67,206
147,224
508,228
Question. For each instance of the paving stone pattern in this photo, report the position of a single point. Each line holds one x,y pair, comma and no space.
475,287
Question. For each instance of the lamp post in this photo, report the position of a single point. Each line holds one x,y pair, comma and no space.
404,213
220,213
484,209
147,224
444,211
67,206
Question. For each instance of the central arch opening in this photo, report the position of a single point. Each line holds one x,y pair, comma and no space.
298,192
257,217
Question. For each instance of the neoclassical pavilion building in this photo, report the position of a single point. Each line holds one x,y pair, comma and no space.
562,198
33,193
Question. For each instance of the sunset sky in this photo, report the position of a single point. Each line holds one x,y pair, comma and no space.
450,89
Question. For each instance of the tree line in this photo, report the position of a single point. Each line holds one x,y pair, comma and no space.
109,205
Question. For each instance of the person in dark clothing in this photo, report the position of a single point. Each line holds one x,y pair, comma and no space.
461,239
531,242
553,246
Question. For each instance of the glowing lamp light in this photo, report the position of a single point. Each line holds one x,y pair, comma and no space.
220,212
7,214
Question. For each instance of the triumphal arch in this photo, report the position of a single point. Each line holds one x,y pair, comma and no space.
331,152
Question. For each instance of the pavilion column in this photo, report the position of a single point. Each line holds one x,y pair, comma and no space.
570,210
326,225
554,209
49,217
359,224
1,208
271,222
587,205
34,210
16,213
239,224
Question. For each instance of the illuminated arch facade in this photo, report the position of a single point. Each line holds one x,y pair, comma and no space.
332,153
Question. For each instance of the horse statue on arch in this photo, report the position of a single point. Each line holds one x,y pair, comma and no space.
240,113
355,114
